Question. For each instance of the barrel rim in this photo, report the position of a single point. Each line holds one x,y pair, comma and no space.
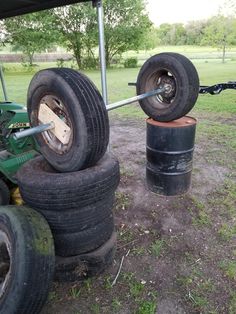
185,121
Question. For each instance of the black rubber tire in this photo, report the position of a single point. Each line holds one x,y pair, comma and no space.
4,193
83,106
32,260
70,244
79,219
79,267
184,80
42,187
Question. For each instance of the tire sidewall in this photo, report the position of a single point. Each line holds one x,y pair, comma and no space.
53,84
178,65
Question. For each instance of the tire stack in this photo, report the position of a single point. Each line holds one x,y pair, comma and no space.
74,189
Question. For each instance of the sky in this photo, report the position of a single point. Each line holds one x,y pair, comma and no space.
181,11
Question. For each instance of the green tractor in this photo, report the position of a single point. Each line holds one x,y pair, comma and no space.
13,153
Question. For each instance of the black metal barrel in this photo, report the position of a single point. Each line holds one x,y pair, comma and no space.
170,148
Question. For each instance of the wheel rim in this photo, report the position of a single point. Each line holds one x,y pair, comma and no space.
5,262
162,78
58,107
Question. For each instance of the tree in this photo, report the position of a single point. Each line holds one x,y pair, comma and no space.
27,33
194,32
126,25
220,32
77,24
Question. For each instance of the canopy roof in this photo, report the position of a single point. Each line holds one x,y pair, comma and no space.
10,8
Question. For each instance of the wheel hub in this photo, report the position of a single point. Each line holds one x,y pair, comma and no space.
168,83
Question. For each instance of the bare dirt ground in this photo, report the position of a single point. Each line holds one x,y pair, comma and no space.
179,253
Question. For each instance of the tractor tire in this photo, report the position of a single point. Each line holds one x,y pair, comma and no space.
177,73
78,103
4,193
70,244
80,267
43,188
27,260
79,219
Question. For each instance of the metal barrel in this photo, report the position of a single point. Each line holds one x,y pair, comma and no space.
169,154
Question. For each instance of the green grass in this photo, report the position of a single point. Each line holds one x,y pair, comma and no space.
229,268
210,71
157,247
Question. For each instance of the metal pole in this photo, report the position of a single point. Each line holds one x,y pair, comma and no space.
102,51
135,98
3,85
38,129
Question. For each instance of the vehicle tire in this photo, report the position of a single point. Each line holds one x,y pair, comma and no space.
78,103
79,219
79,267
44,188
70,244
4,193
27,260
176,72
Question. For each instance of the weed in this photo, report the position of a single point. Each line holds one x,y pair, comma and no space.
122,201
138,251
157,247
88,284
226,232
202,219
75,292
232,303
116,304
52,296
198,301
108,282
136,288
147,307
95,308
126,172
229,268
126,234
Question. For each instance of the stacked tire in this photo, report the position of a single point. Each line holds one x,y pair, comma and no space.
73,184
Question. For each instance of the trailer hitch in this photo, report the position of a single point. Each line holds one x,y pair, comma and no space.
217,88
213,90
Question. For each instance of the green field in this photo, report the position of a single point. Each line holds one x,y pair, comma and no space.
210,71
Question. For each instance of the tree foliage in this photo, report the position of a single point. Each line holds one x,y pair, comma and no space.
126,25
78,26
28,33
220,32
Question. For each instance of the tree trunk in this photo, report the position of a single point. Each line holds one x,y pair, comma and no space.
223,55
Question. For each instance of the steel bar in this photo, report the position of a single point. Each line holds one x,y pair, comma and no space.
3,85
38,129
134,99
102,54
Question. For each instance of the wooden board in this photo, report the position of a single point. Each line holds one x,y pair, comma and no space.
61,130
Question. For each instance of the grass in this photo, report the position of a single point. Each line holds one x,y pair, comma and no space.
17,80
215,215
229,268
157,247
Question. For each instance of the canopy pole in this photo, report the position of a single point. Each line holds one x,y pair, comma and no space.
3,84
102,54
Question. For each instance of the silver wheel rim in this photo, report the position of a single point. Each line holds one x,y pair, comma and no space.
58,107
5,262
159,79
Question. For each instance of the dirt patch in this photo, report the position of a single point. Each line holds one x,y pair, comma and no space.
179,252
